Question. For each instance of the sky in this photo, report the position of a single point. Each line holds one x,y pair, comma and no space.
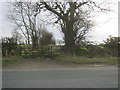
105,24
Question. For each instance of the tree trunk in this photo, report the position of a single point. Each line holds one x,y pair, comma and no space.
34,42
69,39
28,40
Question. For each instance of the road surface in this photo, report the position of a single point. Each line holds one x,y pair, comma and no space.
83,77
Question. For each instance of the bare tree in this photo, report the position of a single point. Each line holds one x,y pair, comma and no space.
17,36
73,18
46,38
24,15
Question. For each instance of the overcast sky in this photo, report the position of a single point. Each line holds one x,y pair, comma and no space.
105,24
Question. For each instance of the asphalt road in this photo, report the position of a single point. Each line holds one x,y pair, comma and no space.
92,77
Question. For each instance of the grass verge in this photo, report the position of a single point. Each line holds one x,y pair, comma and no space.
63,60
86,60
11,60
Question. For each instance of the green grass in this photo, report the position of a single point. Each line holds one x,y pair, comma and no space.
64,59
11,60
86,60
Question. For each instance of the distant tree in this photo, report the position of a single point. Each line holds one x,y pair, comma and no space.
17,36
46,38
9,45
112,45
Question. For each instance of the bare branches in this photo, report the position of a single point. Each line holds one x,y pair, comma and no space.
99,7
48,7
60,8
24,16
80,4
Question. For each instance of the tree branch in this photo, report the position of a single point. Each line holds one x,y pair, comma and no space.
80,4
52,10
